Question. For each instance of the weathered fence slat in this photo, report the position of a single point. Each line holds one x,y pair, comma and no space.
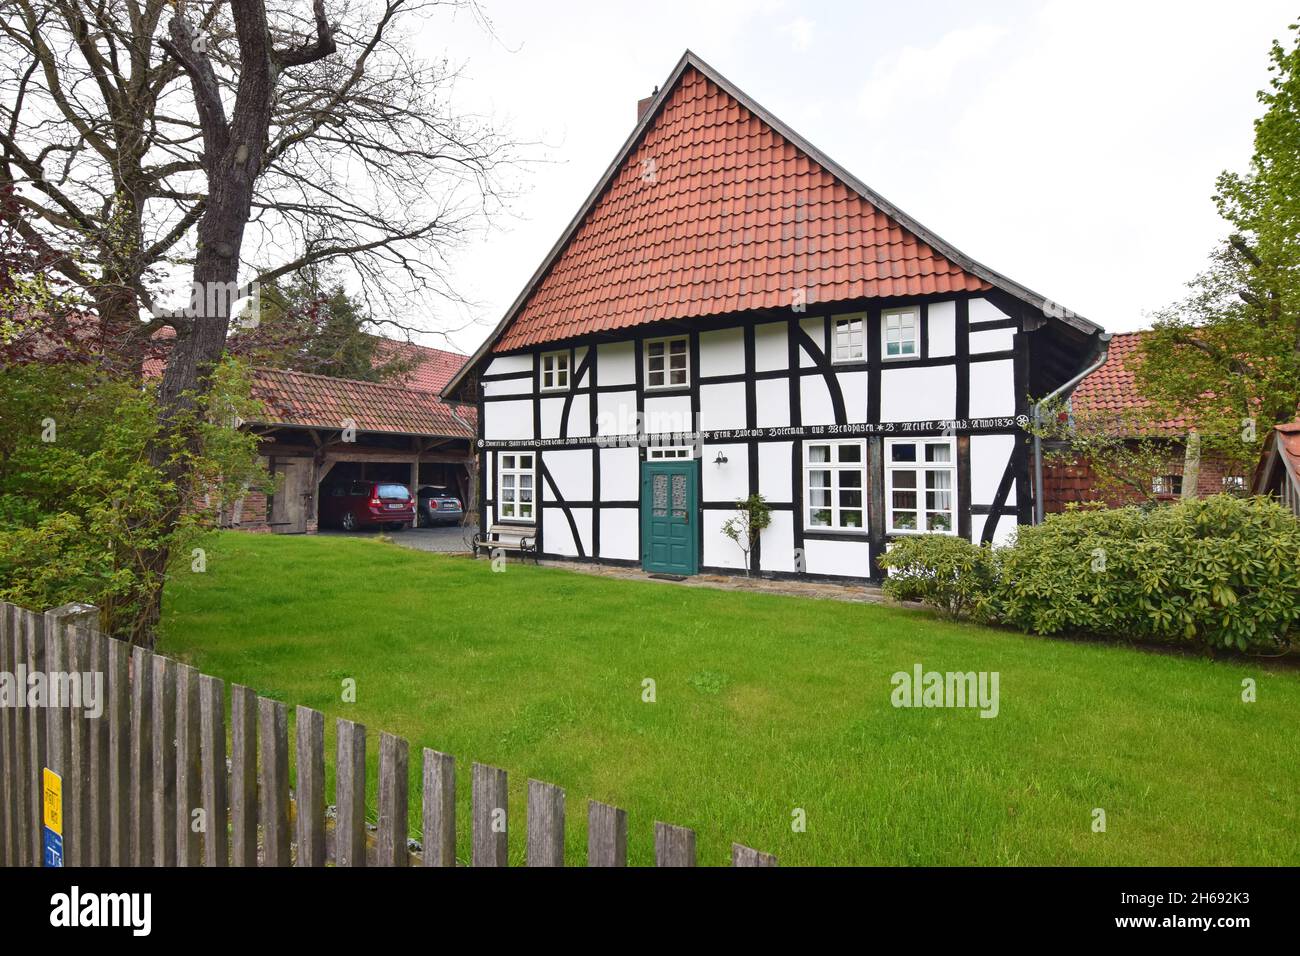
33,626
189,792
99,794
742,855
606,835
164,761
439,809
212,748
674,846
350,795
77,841
393,792
119,753
243,776
141,757
545,824
9,779
490,815
57,756
310,732
273,733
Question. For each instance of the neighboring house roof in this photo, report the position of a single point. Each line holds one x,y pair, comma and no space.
713,205
318,401
1113,389
431,369
1282,447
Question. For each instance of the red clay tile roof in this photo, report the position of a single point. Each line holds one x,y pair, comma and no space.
318,401
431,368
1288,438
1113,388
715,211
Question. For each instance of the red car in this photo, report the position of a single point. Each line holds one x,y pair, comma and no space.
361,504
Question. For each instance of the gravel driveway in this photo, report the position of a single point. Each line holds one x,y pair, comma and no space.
446,538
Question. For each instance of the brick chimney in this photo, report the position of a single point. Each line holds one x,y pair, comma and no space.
644,104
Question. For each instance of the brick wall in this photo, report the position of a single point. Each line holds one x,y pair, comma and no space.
1076,482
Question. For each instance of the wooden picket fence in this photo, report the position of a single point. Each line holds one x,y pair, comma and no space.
134,777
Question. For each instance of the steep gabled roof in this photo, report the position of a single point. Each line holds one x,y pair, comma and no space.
714,205
431,368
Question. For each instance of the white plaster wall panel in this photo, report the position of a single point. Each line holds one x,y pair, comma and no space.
580,417
1006,530
508,420
941,321
774,470
989,455
771,347
815,406
992,340
509,364
556,536
582,518
982,310
992,389
727,482
489,479
815,330
619,528
919,393
723,406
615,411
579,354
719,550
776,549
552,409
722,352
850,557
620,474
571,471
616,364
853,386
668,413
510,386
771,403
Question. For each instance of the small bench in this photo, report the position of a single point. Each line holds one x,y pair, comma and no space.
508,537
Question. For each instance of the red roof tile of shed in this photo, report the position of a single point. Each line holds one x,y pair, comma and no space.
318,401
1113,387
716,211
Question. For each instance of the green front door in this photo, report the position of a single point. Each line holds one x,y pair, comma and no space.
669,538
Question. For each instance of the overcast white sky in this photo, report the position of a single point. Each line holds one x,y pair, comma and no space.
1071,145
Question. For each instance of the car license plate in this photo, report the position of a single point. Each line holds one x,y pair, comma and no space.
393,507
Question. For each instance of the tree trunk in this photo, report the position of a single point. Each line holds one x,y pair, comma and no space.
1192,466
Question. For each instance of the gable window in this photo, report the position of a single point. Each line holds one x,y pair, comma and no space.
848,339
555,371
899,328
667,363
921,485
515,487
835,486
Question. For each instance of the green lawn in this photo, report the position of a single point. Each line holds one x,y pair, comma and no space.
764,704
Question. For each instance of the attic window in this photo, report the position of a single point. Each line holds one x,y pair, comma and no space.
555,371
667,363
899,328
848,339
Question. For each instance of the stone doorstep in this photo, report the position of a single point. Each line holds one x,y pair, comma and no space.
856,593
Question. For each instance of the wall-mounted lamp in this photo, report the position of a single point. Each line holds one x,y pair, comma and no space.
720,460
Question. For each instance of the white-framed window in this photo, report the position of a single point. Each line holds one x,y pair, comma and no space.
516,479
848,341
835,485
921,485
555,371
668,363
900,333
669,452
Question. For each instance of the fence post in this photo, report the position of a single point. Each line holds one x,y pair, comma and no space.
273,729
742,855
674,846
310,732
439,809
212,732
141,757
119,753
99,792
33,626
243,776
350,795
545,824
164,761
9,779
606,835
490,813
57,758
393,791
189,779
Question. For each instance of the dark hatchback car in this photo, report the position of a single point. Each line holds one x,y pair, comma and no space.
365,504
438,506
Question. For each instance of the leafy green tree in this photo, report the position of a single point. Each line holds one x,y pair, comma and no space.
1228,355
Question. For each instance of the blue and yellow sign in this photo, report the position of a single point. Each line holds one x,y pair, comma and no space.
52,816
